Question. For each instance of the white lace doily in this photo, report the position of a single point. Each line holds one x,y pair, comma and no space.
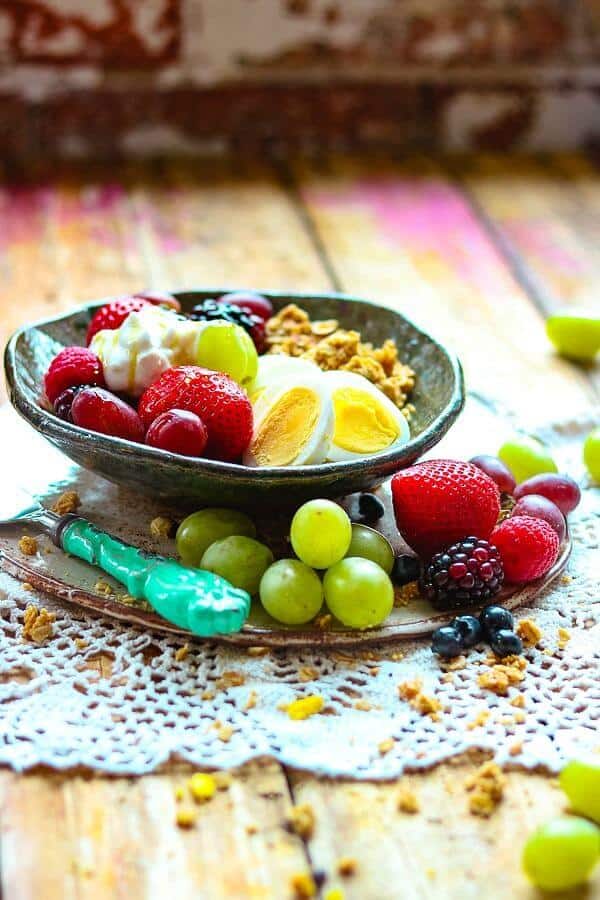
217,707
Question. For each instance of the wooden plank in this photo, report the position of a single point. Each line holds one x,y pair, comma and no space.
88,838
442,851
407,235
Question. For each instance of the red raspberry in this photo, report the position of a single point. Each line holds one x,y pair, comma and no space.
528,547
442,501
98,410
72,366
216,398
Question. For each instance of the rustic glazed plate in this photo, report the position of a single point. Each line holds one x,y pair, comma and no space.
438,397
31,462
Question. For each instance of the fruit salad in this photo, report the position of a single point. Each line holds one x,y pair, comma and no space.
218,383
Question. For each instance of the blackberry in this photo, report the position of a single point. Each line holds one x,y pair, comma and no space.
213,311
406,569
468,573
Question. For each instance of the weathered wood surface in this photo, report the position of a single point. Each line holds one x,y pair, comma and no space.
432,240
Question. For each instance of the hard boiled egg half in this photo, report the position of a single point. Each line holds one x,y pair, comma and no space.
365,420
293,421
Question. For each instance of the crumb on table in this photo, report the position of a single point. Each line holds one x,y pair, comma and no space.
564,636
67,502
423,703
346,866
186,817
38,624
304,707
28,545
182,653
301,820
407,800
202,786
104,588
502,674
529,632
303,886
406,594
385,746
161,527
486,787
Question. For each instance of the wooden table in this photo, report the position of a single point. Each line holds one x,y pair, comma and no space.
478,250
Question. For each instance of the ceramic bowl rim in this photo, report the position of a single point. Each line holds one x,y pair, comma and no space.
49,424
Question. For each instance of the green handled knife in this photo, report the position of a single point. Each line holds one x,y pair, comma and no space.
199,601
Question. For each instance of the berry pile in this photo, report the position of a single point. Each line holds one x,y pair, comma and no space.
218,310
494,625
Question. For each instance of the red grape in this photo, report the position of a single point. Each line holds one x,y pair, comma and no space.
497,471
251,301
178,431
560,489
98,410
539,507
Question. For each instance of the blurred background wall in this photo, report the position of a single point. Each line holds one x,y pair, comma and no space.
103,78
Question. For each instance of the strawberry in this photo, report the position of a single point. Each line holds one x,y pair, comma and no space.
98,410
442,501
216,398
528,546
113,314
71,367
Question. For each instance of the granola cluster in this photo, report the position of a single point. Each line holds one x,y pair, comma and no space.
292,333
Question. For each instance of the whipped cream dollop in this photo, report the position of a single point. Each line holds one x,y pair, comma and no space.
143,347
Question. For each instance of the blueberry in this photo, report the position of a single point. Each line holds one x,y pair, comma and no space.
405,570
370,507
496,618
506,643
469,629
447,642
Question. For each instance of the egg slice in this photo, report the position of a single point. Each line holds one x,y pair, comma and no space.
365,420
276,367
293,423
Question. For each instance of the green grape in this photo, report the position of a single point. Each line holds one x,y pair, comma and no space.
575,333
358,592
525,456
238,559
225,347
580,780
370,544
201,529
321,533
291,592
561,853
591,454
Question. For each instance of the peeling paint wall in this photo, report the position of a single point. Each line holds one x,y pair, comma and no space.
103,77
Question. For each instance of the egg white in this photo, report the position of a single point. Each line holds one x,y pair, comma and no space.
273,368
336,380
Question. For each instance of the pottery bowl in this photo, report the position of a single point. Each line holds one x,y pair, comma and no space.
438,398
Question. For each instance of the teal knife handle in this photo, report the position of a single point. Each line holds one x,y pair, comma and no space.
198,601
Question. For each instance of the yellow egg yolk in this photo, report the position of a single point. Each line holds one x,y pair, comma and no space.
286,428
362,425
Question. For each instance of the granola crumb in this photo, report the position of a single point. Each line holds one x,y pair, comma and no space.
423,703
202,787
407,801
27,586
334,894
251,701
307,673
186,817
104,588
385,746
346,866
304,707
486,787
529,632
251,828
257,651
68,502
80,643
303,886
564,636
207,695
228,680
479,720
179,793
323,622
363,705
28,545
225,733
301,820
454,665
518,701
502,674
161,527
515,748
182,653
38,624
406,594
